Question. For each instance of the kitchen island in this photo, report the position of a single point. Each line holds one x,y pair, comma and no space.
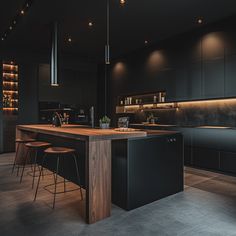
98,158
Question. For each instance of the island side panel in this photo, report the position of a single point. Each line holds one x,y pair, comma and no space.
98,195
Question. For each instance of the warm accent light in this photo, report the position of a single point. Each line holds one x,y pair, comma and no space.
69,40
200,21
90,24
122,2
22,12
173,105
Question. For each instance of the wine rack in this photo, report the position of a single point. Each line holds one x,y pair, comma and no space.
10,87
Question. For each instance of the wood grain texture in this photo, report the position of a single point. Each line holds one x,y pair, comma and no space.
82,133
99,181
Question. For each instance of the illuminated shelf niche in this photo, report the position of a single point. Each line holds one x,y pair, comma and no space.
10,87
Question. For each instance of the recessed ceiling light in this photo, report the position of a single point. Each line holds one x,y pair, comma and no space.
200,21
22,12
69,40
10,27
2,38
146,42
90,24
122,2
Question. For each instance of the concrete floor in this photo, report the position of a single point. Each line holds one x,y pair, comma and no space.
206,207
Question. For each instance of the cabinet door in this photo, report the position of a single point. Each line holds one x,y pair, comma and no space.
181,84
228,162
230,76
205,158
195,80
187,155
213,78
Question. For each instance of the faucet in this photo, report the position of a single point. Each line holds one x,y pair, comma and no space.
57,120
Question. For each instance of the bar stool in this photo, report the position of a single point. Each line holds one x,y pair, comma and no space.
19,143
58,153
33,147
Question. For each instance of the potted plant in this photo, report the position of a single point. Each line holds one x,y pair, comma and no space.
105,122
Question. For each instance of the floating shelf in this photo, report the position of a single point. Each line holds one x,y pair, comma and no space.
146,107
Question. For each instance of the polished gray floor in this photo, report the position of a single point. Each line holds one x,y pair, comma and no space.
206,207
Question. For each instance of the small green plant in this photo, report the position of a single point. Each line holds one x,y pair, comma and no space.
105,120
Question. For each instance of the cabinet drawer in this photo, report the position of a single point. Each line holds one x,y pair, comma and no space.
206,158
228,162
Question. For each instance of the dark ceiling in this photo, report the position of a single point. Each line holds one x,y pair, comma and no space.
131,25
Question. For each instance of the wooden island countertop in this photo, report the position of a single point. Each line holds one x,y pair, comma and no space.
82,132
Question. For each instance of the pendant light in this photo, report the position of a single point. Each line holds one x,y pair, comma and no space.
54,56
107,47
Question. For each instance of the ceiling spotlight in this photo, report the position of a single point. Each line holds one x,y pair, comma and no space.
146,42
14,22
122,2
22,12
69,40
199,21
90,24
10,27
2,38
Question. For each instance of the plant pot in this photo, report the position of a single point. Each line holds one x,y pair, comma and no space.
104,125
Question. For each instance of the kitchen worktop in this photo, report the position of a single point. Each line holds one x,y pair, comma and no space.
83,133
183,126
91,134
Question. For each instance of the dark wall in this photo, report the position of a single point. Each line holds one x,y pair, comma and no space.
200,64
77,84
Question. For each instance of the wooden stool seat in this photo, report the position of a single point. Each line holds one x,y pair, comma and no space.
37,144
18,140
59,150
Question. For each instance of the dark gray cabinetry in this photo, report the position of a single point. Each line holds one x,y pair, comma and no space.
230,76
228,162
213,78
181,84
205,158
195,80
145,170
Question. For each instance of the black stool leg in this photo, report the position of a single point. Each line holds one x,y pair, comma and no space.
78,176
55,188
40,173
16,157
35,164
64,173
18,167
23,169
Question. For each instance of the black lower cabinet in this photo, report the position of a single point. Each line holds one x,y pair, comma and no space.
145,170
188,156
228,162
205,158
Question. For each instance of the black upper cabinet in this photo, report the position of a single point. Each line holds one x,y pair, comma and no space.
213,78
230,43
195,80
181,84
230,76
213,46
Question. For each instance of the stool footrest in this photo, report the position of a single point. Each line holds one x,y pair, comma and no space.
53,192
